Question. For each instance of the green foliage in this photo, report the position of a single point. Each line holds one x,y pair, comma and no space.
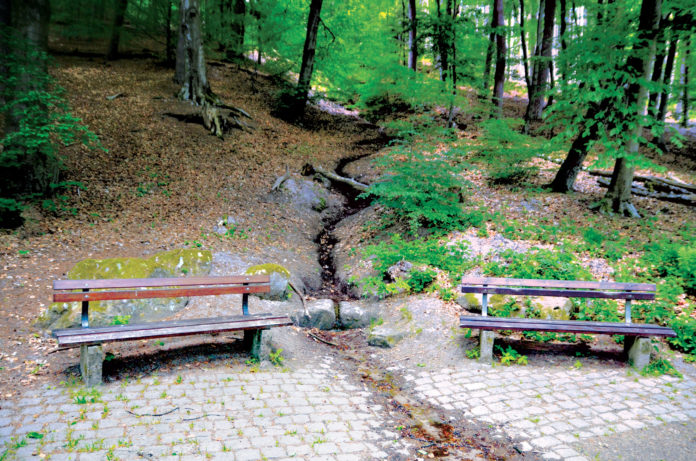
276,357
660,367
507,152
598,310
418,280
420,187
121,320
511,357
38,121
686,268
538,264
473,353
685,327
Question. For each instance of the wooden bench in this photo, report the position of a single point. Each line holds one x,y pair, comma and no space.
89,339
636,342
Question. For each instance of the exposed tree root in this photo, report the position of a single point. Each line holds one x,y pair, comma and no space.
310,169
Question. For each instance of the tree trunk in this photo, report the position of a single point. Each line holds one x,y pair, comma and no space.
169,46
310,47
499,78
563,28
523,37
442,41
661,142
237,27
618,197
191,74
412,36
653,101
685,83
490,51
119,16
540,73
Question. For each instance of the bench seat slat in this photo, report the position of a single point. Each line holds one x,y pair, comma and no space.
73,337
163,293
559,292
159,282
572,284
564,326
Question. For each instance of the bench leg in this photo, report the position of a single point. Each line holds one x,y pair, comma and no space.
91,361
638,350
486,346
257,342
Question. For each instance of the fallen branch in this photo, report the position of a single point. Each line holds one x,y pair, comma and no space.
309,333
309,169
281,179
682,198
675,185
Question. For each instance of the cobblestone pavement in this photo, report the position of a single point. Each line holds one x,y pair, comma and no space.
216,413
554,408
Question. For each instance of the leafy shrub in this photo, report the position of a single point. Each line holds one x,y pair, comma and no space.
37,122
418,280
686,268
597,310
538,264
384,102
660,367
507,152
510,356
420,189
685,327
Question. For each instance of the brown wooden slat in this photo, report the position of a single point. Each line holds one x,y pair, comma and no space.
574,284
158,282
564,326
560,293
168,293
94,336
167,323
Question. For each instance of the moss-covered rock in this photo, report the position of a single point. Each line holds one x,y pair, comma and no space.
279,279
173,263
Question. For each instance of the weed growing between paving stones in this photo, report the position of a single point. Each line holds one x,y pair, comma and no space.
510,356
659,367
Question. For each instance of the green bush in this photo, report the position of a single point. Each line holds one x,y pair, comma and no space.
384,102
685,327
507,152
686,268
538,264
418,280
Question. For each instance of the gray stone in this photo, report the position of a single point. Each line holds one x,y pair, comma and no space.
304,194
486,346
400,270
322,315
355,315
91,361
638,350
386,335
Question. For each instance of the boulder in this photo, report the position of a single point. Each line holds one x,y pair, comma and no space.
546,307
173,263
400,270
355,315
386,335
472,301
554,308
322,315
279,280
305,194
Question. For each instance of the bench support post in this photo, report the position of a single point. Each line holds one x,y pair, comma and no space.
256,341
91,361
486,346
638,350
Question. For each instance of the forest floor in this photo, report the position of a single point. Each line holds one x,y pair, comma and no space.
162,183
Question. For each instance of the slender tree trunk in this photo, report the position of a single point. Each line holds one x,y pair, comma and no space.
169,46
442,41
685,83
236,49
653,101
563,31
310,46
525,57
412,36
499,78
540,74
119,16
490,51
618,197
664,97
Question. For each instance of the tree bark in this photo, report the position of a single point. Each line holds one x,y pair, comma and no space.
412,36
310,47
499,78
525,57
191,74
168,45
237,28
618,197
540,74
653,100
119,16
685,83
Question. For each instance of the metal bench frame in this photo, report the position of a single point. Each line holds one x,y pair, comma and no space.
90,339
636,343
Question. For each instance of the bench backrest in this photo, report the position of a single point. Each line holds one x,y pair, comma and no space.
561,288
111,289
